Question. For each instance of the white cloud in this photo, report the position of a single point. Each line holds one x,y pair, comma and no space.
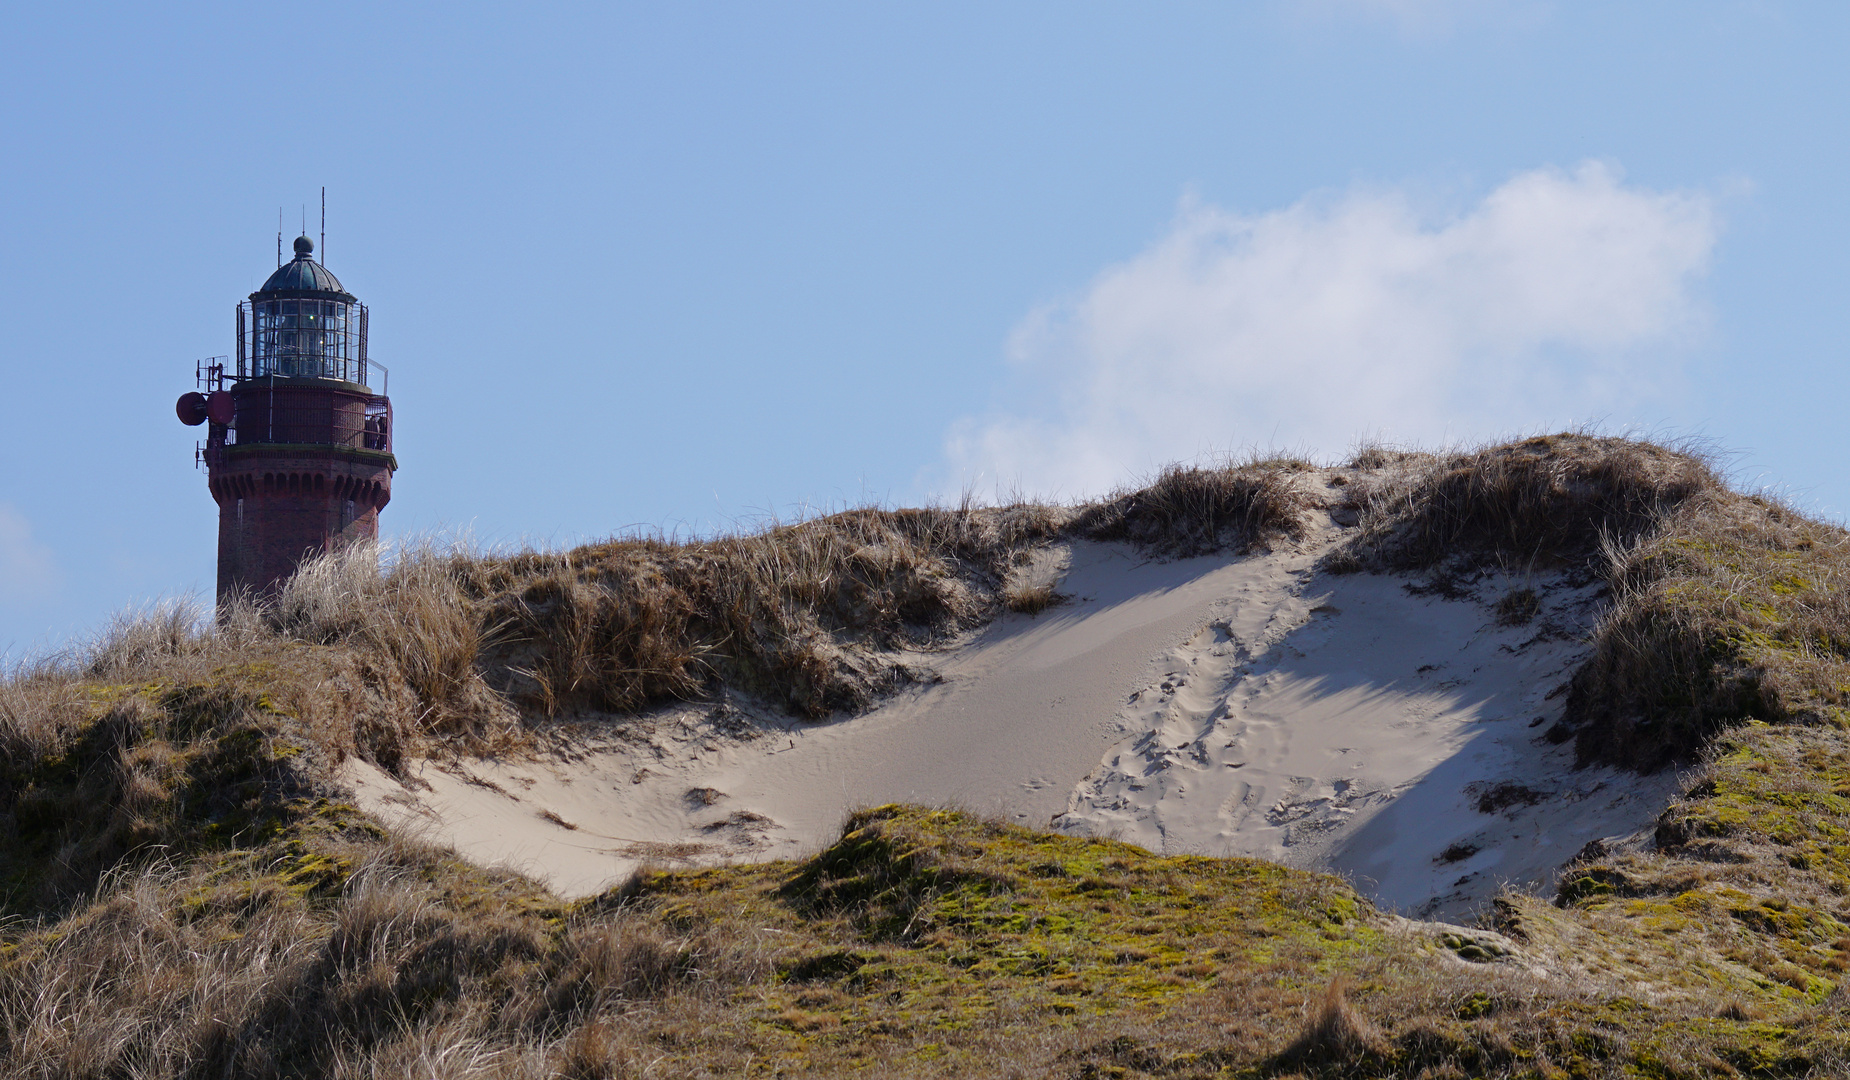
27,567
1559,296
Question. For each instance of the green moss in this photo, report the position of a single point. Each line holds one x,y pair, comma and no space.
156,770
959,920
1475,949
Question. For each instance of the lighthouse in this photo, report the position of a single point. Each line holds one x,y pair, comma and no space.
298,448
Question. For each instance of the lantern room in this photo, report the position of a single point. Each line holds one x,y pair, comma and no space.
302,325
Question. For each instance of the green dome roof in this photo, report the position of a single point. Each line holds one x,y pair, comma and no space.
302,276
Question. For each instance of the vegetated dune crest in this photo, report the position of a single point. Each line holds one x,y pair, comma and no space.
1384,727
189,891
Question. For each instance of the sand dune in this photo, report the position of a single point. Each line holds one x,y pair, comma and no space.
1248,706
1389,737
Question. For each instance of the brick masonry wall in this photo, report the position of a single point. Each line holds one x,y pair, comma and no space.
276,507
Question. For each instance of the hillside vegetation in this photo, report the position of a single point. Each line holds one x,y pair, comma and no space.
187,893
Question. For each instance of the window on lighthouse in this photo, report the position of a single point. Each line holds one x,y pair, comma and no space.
305,338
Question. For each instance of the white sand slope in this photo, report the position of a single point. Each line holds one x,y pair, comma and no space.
1389,737
1225,706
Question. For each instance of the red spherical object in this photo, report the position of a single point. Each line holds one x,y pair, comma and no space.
192,408
220,408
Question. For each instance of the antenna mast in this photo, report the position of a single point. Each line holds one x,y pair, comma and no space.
324,224
279,236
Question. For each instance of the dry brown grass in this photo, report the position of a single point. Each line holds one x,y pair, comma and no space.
1547,500
137,640
383,975
808,616
1335,1032
416,617
1188,511
1033,599
41,708
132,981
1735,609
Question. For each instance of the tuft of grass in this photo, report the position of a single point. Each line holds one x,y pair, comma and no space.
1033,599
1335,1033
137,639
1188,511
1518,607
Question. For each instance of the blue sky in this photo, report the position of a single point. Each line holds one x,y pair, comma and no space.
680,266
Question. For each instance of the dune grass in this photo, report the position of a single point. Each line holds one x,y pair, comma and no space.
1553,500
186,894
1185,511
807,615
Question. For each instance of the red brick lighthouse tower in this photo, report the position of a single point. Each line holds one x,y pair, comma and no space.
298,447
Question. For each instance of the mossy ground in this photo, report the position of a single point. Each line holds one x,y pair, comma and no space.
923,943
928,934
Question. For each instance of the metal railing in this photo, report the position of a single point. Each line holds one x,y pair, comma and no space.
319,424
